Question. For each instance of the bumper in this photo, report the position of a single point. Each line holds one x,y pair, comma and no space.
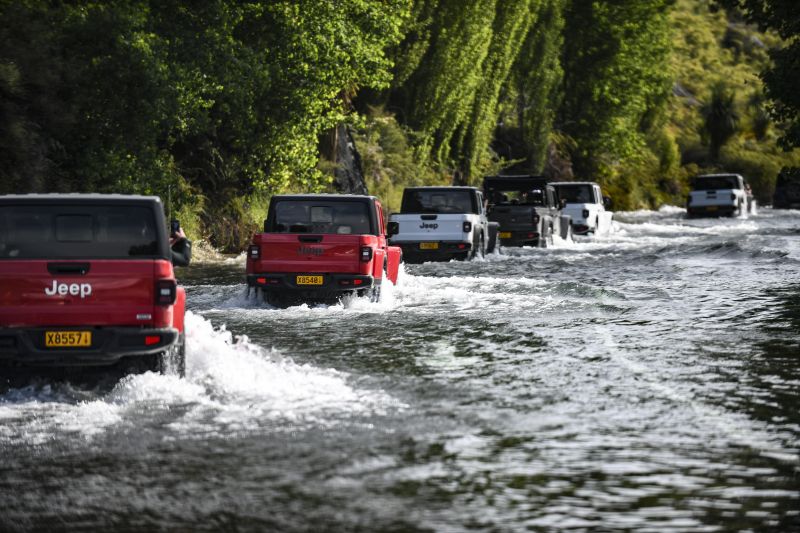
519,238
581,229
444,251
108,345
711,210
331,283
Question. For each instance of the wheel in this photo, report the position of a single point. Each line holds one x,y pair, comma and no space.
478,248
490,247
174,361
170,361
275,300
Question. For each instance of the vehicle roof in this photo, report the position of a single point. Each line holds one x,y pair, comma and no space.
323,196
79,197
444,187
495,182
557,183
724,175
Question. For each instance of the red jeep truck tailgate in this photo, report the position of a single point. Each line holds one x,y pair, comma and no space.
47,293
292,252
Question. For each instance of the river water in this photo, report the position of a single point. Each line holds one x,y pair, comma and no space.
644,381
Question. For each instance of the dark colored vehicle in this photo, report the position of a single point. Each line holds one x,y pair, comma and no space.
527,210
319,247
87,280
787,189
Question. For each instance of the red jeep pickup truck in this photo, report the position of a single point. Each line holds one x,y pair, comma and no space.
86,280
319,247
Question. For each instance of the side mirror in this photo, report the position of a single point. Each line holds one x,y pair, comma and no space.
392,228
607,203
562,203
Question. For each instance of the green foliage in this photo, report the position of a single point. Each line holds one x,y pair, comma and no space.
221,104
615,78
535,83
780,78
721,119
218,99
389,160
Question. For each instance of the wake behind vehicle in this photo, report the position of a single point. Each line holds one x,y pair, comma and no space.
526,209
87,280
586,207
320,247
716,195
442,223
787,189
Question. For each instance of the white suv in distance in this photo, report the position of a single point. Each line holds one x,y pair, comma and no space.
719,195
586,205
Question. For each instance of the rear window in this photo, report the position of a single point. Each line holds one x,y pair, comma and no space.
713,183
534,196
576,194
438,201
314,216
77,232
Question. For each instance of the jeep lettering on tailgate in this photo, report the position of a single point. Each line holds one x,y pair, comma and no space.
428,226
73,289
309,250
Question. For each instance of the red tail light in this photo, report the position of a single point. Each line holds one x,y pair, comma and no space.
166,291
254,251
366,254
152,339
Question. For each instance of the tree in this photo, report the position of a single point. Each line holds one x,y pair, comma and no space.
615,62
721,119
536,79
782,79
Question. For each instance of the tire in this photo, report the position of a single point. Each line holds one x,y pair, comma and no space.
275,300
171,361
478,249
542,242
490,247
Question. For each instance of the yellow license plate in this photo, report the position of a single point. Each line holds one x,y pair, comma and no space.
67,339
429,246
309,280
711,208
505,234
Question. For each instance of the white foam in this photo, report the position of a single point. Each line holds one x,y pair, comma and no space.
231,384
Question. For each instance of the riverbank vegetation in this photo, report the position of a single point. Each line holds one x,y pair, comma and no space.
218,105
